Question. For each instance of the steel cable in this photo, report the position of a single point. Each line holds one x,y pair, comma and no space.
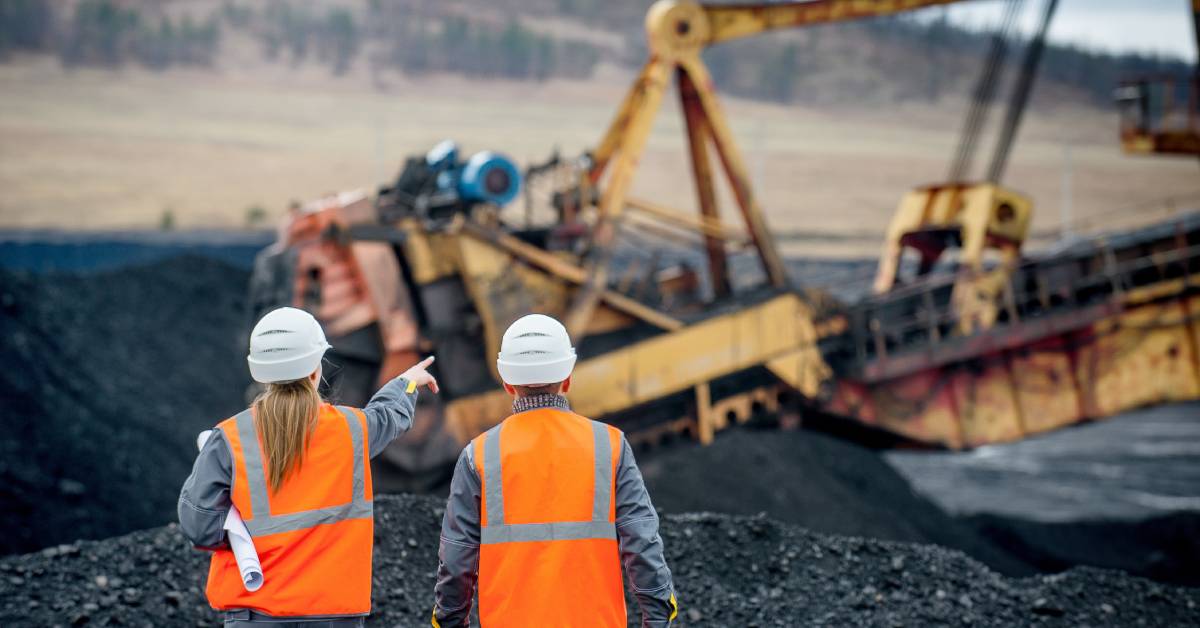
985,91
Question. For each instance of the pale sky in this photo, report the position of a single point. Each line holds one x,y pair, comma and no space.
1148,26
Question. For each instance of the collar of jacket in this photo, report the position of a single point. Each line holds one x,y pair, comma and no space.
544,400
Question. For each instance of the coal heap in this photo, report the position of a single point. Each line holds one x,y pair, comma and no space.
107,379
1165,548
729,570
817,481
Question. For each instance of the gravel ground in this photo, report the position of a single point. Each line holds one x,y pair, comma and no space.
729,570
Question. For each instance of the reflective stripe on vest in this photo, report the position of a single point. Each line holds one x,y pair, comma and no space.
496,531
262,521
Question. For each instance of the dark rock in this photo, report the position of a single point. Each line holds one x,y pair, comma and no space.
71,488
1042,607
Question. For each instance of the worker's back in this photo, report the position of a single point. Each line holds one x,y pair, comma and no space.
548,551
313,535
531,521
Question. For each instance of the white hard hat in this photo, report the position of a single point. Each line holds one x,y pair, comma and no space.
535,350
286,345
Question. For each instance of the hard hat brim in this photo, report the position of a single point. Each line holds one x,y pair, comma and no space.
539,373
288,370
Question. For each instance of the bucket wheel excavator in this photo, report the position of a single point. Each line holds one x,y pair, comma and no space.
994,348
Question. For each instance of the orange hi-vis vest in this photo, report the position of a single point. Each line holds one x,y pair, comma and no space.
548,543
314,536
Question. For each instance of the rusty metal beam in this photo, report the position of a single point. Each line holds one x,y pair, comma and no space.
702,224
734,21
611,142
735,170
698,134
630,144
665,232
569,272
704,414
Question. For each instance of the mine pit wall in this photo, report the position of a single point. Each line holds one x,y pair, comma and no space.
1144,351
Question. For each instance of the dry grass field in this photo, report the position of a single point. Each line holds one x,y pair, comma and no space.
117,149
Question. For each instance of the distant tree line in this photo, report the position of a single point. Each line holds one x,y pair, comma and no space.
1092,72
412,39
453,44
887,59
293,33
104,33
404,36
902,59
880,60
418,42
1098,74
24,25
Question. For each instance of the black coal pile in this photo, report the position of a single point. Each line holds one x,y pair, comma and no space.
1165,548
817,481
729,570
107,379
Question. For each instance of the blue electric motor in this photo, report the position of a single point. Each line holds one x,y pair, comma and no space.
487,177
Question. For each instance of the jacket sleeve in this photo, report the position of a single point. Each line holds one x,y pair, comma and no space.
204,501
458,552
389,414
641,547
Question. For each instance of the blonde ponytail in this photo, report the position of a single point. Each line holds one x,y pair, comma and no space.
286,414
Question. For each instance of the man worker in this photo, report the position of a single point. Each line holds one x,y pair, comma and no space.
545,507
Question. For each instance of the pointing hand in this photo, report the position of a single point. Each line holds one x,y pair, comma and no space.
419,376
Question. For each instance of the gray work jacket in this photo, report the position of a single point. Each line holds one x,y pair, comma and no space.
204,501
640,546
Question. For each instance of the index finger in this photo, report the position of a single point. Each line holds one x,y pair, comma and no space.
426,362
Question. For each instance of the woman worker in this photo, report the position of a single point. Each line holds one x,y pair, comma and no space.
298,470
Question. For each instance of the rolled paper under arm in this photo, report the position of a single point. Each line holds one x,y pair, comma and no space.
240,541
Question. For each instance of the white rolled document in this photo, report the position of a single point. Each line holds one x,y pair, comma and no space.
239,539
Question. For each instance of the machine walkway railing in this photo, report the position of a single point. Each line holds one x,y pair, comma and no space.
923,316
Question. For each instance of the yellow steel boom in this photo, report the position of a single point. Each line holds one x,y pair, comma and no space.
677,31
726,22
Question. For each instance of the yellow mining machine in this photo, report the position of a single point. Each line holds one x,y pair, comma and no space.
1161,114
993,348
